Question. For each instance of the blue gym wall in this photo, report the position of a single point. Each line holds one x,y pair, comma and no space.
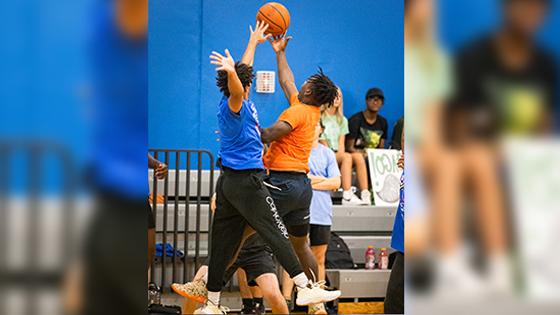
461,21
357,43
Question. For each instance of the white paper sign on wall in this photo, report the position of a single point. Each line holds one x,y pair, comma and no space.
266,81
385,176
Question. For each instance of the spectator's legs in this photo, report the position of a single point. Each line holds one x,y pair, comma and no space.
361,170
447,194
320,253
344,160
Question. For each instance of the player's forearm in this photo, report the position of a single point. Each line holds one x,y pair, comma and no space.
350,146
285,74
328,184
234,85
249,55
316,179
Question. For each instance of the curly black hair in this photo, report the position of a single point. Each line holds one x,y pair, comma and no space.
324,91
244,72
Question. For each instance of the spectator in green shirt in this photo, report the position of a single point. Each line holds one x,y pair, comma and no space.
336,129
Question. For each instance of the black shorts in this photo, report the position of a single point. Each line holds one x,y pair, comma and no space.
151,219
319,234
292,195
255,264
255,258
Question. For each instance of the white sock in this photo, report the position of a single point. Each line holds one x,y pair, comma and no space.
214,297
205,278
301,280
347,194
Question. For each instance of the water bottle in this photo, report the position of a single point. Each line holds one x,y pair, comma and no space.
154,296
383,259
370,258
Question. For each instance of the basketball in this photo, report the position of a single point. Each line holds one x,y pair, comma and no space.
276,16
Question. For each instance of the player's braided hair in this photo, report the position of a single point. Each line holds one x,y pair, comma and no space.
324,91
244,72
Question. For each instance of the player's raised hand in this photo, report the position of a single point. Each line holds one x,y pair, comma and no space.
279,43
225,63
257,35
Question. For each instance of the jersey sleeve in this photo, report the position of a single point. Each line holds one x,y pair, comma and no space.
344,127
292,116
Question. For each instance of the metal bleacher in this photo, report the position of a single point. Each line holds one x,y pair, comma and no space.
359,226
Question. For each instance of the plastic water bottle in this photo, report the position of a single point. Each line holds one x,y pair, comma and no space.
383,259
370,258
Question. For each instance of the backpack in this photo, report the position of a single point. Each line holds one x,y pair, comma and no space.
338,254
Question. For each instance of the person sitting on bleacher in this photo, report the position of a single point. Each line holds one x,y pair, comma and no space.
368,130
333,136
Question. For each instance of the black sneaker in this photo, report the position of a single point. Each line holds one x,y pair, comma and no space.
260,309
248,310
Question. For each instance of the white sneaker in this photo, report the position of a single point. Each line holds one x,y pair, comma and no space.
350,199
211,308
314,294
366,197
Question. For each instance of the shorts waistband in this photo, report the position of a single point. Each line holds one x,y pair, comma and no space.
287,173
240,172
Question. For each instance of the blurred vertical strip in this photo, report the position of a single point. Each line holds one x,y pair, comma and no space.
73,134
481,100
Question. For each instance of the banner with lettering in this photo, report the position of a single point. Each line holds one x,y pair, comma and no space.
385,176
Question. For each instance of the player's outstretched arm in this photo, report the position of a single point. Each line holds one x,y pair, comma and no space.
285,74
257,37
235,87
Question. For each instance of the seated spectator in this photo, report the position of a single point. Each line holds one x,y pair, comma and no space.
367,130
336,129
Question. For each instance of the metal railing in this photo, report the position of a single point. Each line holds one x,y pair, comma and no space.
25,176
181,159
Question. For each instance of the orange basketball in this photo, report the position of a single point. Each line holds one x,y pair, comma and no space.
276,16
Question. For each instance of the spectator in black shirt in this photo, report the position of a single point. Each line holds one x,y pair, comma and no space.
505,81
367,130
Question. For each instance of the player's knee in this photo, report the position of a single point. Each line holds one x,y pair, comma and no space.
347,158
274,297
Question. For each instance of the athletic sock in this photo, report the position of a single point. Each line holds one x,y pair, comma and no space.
347,194
214,297
248,303
301,280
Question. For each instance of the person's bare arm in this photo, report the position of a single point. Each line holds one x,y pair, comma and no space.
257,37
235,87
285,74
328,184
275,132
381,144
350,145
